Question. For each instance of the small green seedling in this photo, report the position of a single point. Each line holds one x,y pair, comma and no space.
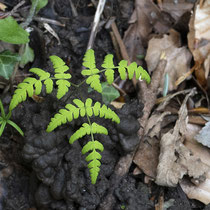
61,78
5,119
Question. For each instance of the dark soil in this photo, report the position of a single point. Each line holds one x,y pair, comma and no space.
42,170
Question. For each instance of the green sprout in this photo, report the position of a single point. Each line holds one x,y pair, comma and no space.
5,119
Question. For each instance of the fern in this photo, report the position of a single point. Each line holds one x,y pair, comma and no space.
81,109
62,82
31,86
92,73
94,158
88,109
109,65
86,129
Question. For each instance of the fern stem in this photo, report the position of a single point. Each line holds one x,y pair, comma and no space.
91,133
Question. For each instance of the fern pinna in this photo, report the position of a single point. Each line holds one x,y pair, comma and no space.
31,86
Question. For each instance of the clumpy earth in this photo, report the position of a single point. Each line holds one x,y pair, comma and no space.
42,170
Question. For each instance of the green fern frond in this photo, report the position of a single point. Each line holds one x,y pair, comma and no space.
88,107
58,64
94,82
109,73
142,74
86,129
122,69
109,65
49,85
89,59
43,75
63,87
131,69
23,89
59,119
72,112
94,158
105,112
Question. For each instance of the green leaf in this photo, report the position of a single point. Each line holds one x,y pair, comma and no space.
131,69
7,63
40,5
108,62
109,93
3,124
94,82
11,32
43,75
2,109
63,87
89,59
58,64
49,85
86,129
109,73
121,68
14,125
28,56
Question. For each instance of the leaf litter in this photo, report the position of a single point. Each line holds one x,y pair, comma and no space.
164,154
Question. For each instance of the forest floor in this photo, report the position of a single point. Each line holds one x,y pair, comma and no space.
158,157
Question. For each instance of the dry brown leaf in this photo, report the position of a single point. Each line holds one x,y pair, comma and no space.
147,157
202,21
199,40
178,58
200,191
176,8
153,126
175,159
146,17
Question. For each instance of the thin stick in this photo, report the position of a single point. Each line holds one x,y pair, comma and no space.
98,13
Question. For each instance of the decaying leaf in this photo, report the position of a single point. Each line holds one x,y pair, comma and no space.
204,135
199,40
178,58
176,9
146,17
147,157
198,189
202,21
175,159
153,126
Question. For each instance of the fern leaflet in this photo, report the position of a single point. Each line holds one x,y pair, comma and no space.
92,72
72,112
86,129
109,65
94,158
89,59
30,86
